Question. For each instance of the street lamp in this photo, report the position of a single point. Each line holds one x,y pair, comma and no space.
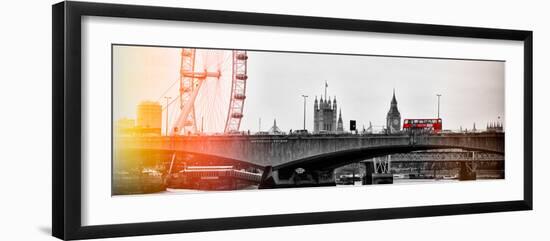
438,100
305,97
167,100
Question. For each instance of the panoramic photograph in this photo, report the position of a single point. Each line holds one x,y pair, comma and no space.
192,120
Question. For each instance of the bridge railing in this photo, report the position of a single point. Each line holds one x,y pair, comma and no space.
447,156
240,174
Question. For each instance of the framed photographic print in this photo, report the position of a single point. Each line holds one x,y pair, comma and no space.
169,120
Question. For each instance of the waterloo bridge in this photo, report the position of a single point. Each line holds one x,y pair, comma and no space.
310,160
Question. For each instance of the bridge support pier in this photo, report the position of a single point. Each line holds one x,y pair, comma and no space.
372,176
369,170
468,171
296,178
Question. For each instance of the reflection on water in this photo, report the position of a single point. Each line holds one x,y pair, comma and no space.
187,191
357,183
412,181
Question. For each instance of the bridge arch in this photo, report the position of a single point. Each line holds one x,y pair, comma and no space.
332,160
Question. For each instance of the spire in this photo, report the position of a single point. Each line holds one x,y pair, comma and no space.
393,105
326,86
393,100
315,104
340,124
275,129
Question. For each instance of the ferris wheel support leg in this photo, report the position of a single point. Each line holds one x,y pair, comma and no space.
186,111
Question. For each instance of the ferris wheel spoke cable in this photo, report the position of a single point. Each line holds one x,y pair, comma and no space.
211,106
170,103
168,89
218,103
216,107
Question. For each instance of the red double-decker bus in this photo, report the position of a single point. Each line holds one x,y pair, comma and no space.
433,125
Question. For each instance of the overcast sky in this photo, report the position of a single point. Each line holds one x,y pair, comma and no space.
472,91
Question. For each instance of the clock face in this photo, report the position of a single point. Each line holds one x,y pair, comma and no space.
396,122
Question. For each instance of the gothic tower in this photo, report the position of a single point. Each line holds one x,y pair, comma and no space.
325,114
340,128
393,119
334,125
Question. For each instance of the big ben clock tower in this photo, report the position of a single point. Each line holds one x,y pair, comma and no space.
393,119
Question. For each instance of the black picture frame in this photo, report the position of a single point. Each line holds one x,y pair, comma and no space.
66,76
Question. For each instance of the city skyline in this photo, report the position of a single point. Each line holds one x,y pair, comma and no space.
472,91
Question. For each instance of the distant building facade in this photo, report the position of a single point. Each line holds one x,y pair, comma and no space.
149,117
495,127
125,127
393,119
125,123
324,115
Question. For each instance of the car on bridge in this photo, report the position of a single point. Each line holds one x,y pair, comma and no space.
300,132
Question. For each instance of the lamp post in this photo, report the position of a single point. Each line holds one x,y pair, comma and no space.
305,97
167,103
438,101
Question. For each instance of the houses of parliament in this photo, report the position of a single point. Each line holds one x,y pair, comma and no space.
326,120
324,115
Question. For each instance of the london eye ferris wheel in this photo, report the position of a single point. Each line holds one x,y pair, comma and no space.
212,88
